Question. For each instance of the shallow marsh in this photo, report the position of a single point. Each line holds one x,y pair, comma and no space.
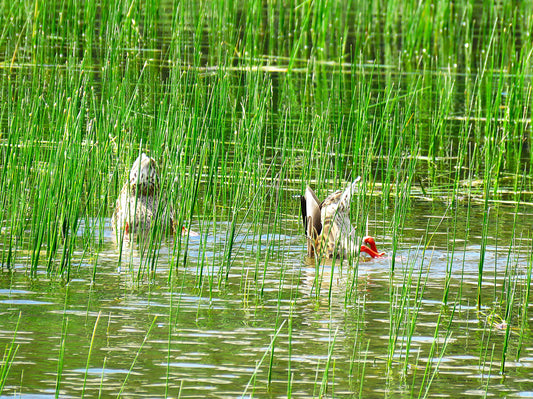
243,104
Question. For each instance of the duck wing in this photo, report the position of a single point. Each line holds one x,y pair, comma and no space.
342,198
336,226
311,218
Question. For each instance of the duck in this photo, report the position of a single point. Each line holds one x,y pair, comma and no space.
328,228
141,205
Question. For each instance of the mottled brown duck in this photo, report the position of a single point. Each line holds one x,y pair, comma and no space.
141,205
328,228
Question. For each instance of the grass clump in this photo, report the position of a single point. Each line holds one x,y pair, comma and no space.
243,104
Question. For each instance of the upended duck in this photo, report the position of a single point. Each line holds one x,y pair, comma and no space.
328,228
140,205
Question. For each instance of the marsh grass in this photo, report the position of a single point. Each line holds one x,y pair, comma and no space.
171,118
243,104
524,307
134,361
89,355
10,352
62,344
270,350
329,368
436,354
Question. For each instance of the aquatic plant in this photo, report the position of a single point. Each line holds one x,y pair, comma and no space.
242,104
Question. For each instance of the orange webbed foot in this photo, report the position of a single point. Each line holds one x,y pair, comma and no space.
369,247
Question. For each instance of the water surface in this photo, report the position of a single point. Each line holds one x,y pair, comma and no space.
224,97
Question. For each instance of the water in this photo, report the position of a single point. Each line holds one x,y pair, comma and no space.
211,340
263,320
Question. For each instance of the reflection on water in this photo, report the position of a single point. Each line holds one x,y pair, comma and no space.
209,336
196,316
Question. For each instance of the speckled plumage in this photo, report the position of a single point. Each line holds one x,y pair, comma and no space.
327,225
140,204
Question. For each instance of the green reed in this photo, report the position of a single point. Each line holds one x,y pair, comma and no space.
89,356
137,106
62,345
270,349
523,307
134,361
432,366
327,367
10,352
243,105
405,307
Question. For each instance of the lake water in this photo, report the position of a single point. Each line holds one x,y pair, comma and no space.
179,339
240,311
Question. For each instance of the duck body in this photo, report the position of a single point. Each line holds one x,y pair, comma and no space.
140,205
328,228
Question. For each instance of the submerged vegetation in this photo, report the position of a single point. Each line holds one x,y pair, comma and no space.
243,104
